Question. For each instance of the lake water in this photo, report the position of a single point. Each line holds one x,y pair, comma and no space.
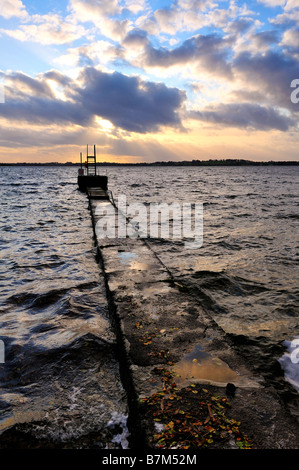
61,370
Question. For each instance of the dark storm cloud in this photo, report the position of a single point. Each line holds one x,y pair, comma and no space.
245,115
128,102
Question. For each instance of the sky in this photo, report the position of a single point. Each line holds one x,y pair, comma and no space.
149,80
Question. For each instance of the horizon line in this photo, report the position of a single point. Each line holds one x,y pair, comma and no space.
223,162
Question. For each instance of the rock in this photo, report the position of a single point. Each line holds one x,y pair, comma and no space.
230,389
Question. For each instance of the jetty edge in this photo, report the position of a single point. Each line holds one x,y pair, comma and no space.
164,337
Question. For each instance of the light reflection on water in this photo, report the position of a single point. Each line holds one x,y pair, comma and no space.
199,366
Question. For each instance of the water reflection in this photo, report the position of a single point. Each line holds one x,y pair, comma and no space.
199,366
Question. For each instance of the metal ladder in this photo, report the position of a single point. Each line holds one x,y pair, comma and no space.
91,163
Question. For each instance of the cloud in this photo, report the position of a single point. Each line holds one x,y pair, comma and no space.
40,136
47,29
239,69
58,77
290,41
32,100
286,4
102,14
10,8
240,26
128,102
171,20
41,110
135,6
24,84
191,15
290,4
136,37
92,10
273,3
265,38
290,15
95,53
271,73
245,115
207,52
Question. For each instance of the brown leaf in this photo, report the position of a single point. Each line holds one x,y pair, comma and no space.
210,411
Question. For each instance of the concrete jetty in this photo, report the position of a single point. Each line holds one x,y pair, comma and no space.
178,366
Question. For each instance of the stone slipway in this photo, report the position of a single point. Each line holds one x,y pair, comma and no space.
161,326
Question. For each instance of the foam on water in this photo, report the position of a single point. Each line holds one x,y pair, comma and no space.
290,362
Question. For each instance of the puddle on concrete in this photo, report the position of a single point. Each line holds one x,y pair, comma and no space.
140,266
127,256
155,289
131,260
199,366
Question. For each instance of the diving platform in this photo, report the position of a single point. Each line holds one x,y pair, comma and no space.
87,174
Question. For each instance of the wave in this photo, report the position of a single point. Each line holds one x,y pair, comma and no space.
287,216
214,280
36,300
68,397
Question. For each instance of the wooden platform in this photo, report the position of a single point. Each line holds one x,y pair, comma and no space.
97,193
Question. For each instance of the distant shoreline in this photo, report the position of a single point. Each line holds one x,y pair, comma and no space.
228,162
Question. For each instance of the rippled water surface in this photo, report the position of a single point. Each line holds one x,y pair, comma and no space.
246,272
61,370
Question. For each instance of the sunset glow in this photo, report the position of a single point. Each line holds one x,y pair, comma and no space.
149,80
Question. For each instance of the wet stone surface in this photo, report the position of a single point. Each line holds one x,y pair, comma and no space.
165,328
